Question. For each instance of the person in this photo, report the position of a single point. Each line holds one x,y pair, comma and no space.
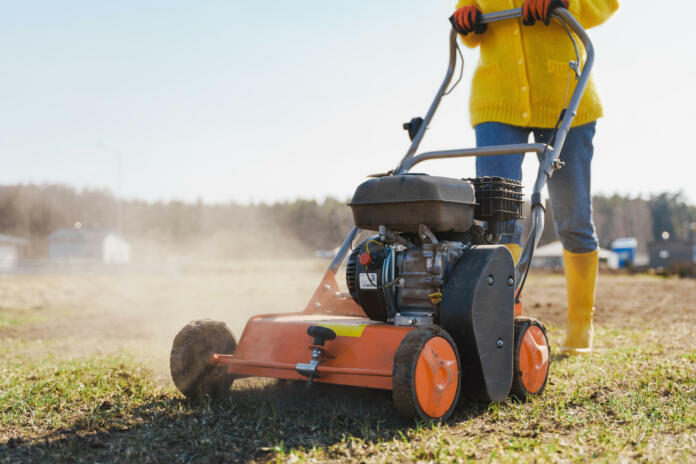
519,88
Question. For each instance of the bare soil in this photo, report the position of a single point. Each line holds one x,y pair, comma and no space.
99,314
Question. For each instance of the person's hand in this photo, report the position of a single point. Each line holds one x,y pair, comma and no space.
533,10
468,19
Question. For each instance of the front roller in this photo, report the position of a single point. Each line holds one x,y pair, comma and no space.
192,372
426,375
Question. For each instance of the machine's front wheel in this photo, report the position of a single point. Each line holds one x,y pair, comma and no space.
189,361
531,358
426,375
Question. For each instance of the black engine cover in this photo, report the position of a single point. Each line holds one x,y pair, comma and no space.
401,202
478,311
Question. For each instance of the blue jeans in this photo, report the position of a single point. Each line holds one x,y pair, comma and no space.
569,187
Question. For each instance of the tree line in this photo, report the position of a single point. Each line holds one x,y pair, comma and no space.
34,211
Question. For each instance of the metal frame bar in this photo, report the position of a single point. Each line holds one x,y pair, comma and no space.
549,155
229,361
492,150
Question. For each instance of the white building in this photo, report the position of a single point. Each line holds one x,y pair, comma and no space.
551,257
10,251
88,244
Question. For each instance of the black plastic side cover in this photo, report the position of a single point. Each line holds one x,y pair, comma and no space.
478,311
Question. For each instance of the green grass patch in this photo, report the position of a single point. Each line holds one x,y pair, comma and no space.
84,394
633,401
11,317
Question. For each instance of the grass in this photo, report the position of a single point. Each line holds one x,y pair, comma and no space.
634,401
83,378
10,317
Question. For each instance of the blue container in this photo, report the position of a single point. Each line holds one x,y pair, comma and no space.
626,249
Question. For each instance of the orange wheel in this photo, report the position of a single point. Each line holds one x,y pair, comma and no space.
531,358
426,375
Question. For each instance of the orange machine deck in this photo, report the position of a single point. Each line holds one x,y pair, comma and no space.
362,354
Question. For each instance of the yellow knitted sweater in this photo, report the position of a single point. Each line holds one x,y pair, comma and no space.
522,75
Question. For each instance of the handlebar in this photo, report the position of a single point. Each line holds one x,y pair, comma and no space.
549,155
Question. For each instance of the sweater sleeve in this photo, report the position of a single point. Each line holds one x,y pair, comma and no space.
470,40
591,13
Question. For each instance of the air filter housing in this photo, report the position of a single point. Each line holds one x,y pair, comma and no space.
498,202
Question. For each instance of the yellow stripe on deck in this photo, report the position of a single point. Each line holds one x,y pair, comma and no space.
346,330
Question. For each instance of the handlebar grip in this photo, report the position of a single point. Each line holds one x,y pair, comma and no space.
501,15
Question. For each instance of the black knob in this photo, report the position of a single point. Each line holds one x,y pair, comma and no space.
320,334
412,127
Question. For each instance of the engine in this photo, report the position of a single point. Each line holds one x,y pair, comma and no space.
425,225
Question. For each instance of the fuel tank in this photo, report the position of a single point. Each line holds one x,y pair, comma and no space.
402,202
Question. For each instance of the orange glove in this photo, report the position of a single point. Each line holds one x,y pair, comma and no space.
533,10
468,19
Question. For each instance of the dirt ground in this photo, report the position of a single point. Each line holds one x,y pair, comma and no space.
81,315
623,301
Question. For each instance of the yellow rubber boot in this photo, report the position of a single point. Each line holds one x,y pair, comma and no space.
516,251
581,281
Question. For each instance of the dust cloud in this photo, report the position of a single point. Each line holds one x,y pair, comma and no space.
139,308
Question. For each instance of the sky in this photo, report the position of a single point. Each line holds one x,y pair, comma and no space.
249,101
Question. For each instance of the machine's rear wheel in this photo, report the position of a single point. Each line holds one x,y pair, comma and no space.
189,361
531,358
426,375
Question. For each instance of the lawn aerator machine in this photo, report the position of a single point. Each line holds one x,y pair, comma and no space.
430,311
